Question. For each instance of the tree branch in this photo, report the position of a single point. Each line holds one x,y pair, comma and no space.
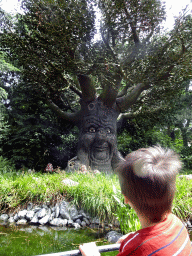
150,35
75,90
87,88
124,91
106,42
71,117
133,28
111,88
127,101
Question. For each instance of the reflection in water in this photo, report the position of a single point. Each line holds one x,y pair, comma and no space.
33,240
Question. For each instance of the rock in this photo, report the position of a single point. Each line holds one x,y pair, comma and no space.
41,213
86,221
76,225
44,220
4,217
95,221
37,208
70,183
35,220
58,222
48,211
70,223
63,211
188,177
22,214
16,217
85,215
11,220
83,224
188,225
57,210
79,216
72,211
45,206
29,206
30,215
22,222
113,236
53,209
53,216
78,221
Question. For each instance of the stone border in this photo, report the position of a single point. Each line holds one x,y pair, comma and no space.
62,214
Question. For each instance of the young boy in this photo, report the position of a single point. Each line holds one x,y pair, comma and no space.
147,179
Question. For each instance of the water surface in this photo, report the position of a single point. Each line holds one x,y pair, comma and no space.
32,240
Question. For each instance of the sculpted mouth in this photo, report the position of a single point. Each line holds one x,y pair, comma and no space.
100,154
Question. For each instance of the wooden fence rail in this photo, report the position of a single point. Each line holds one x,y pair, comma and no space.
102,248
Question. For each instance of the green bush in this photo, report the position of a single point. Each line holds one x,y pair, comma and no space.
186,156
5,165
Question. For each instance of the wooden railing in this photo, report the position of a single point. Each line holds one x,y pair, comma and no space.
102,248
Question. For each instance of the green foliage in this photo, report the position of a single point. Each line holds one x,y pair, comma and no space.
183,199
126,216
48,37
5,165
143,136
186,156
4,65
170,127
35,136
3,122
95,194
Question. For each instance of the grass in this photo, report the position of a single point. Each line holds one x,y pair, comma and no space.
182,205
94,193
99,194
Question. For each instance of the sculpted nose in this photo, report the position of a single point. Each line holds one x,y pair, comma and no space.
101,134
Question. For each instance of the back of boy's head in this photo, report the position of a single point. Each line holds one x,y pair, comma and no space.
147,177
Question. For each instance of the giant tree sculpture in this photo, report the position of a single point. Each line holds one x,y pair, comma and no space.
97,122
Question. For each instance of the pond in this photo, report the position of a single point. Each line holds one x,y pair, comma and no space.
37,240
33,240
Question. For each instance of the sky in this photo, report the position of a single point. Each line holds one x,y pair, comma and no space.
174,7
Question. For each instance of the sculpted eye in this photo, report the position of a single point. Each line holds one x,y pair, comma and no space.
108,130
92,130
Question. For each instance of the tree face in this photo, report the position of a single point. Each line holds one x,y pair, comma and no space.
97,140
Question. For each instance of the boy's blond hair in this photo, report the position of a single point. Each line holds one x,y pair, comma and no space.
147,177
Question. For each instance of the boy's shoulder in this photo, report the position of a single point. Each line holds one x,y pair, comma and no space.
168,237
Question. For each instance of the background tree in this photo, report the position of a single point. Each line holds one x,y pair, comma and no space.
35,136
133,69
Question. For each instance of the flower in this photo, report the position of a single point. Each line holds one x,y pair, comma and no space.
49,168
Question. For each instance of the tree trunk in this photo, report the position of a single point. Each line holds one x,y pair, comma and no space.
97,146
